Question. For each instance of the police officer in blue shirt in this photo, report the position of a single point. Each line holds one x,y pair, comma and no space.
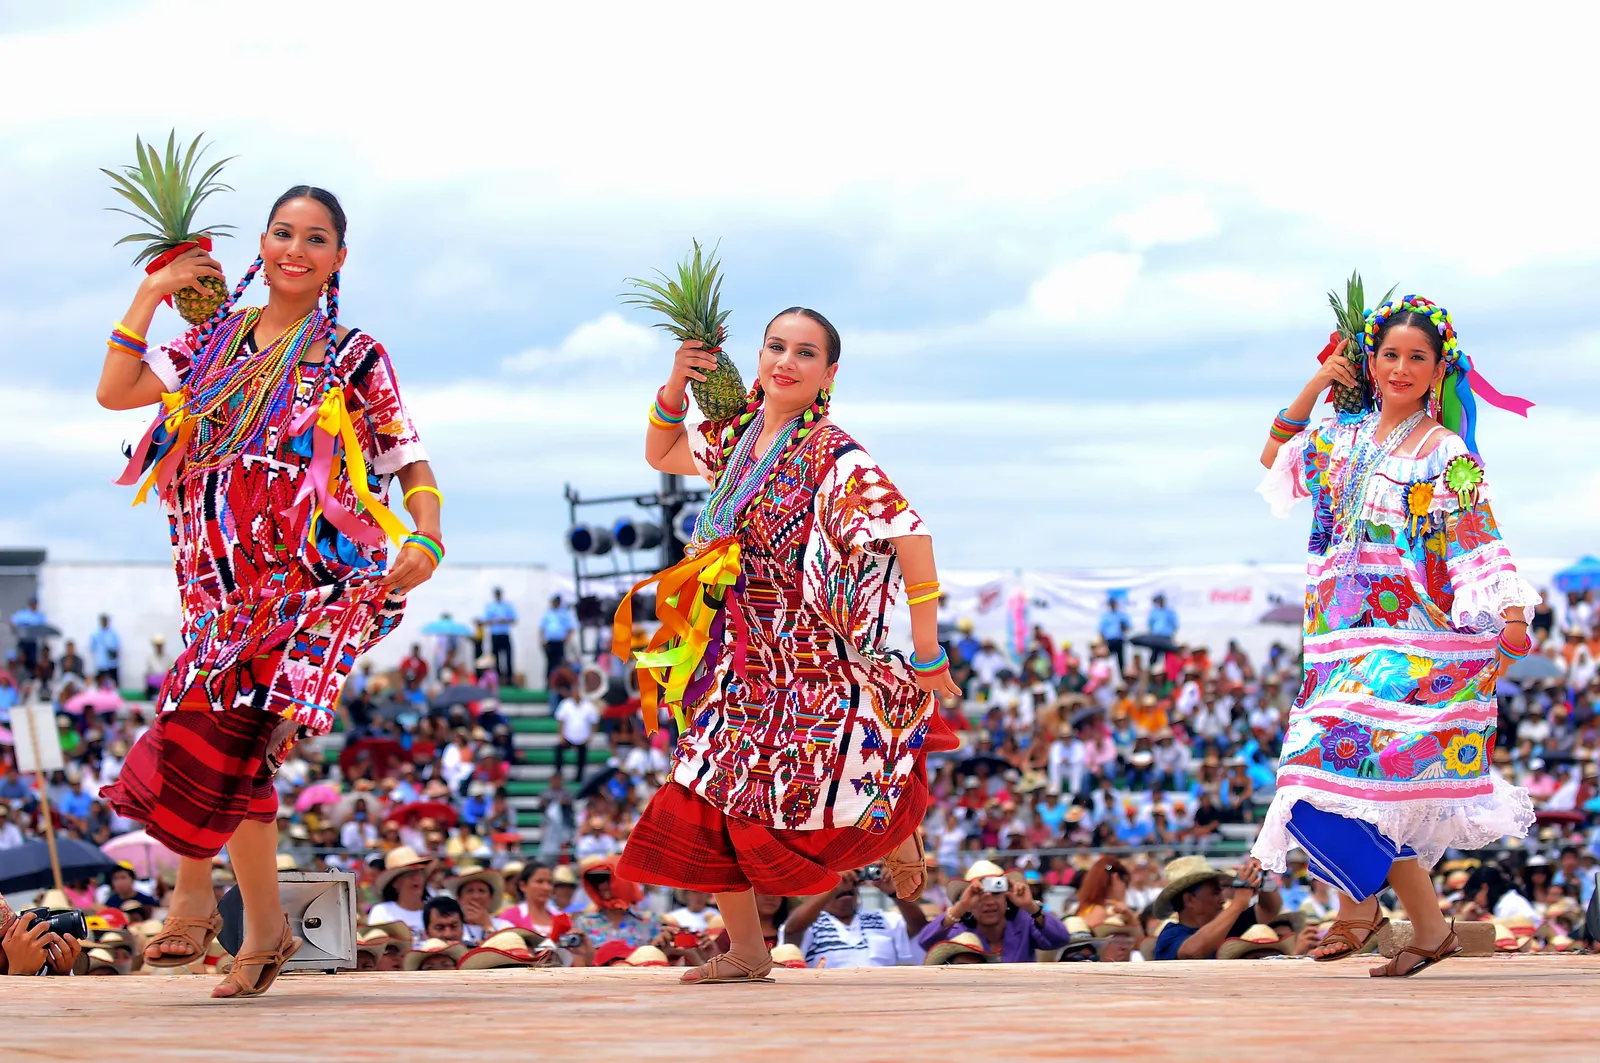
1164,622
555,627
499,616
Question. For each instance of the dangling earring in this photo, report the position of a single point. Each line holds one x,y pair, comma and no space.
266,278
324,289
1436,399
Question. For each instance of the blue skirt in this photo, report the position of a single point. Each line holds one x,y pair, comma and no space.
1351,855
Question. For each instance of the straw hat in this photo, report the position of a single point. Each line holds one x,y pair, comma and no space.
965,944
1113,925
787,955
1521,926
434,947
1257,941
983,869
612,953
504,949
1505,940
395,931
286,862
647,956
1295,918
1183,874
488,875
396,863
1081,936
101,960
56,901
563,875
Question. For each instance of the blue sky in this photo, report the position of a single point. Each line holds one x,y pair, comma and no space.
1078,260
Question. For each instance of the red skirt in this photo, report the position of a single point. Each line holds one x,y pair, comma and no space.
684,842
195,775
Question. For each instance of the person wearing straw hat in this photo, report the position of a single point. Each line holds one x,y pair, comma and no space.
478,889
1002,911
1256,943
1204,919
1083,945
403,885
964,948
434,954
505,949
787,955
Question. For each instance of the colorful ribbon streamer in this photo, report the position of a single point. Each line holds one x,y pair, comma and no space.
331,425
178,427
687,598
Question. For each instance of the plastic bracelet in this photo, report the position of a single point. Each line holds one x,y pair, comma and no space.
425,489
422,542
1283,415
128,332
938,664
124,348
1516,653
408,544
667,411
656,421
913,588
924,598
657,413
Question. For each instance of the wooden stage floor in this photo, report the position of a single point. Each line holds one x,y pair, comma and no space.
1535,1007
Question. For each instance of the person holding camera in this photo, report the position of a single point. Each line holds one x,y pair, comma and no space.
1194,893
30,945
1003,912
833,931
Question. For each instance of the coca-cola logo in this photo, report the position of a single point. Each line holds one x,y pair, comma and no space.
1231,595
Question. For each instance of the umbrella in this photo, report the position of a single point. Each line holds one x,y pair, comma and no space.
1161,643
1533,668
94,701
384,753
27,866
464,694
316,794
596,782
436,810
35,632
1583,576
1283,614
447,628
994,763
147,856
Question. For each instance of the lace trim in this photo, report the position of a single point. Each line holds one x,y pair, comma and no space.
1478,606
1284,484
1428,827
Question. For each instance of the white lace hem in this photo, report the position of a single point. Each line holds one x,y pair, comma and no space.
1480,606
1428,827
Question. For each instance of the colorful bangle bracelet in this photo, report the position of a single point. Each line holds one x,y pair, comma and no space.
929,585
423,489
933,597
1516,653
124,330
668,412
658,414
656,421
938,664
422,542
123,347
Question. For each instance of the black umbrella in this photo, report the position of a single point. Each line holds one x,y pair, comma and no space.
394,708
1533,668
27,866
994,763
35,632
464,694
593,784
1284,613
1162,643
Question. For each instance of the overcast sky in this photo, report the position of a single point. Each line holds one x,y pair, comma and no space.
1078,257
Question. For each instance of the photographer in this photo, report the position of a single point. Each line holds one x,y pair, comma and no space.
831,927
1002,911
1205,920
28,947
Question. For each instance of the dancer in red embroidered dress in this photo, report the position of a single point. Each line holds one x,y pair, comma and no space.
803,739
279,435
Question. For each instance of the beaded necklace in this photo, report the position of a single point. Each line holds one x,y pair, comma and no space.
739,482
237,398
1366,455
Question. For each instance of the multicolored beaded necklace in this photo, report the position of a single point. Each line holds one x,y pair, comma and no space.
739,482
236,398
1366,455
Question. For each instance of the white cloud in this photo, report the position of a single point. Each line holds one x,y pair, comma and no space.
1171,220
1090,289
609,344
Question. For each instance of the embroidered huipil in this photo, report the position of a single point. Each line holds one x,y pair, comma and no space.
819,726
1394,724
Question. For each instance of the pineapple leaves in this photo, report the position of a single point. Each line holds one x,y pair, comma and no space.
165,193
690,303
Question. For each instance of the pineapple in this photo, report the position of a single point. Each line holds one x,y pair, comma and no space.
1352,319
165,194
690,305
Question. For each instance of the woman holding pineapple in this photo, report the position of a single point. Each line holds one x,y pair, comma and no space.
1413,608
802,739
277,436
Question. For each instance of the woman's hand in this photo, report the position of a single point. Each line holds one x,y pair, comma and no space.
411,569
1336,370
938,682
691,362
185,271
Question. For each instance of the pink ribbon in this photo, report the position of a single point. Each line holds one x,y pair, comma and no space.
135,469
1509,403
318,483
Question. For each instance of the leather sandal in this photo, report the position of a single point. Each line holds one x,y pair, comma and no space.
1340,934
182,928
747,973
1450,946
269,964
902,872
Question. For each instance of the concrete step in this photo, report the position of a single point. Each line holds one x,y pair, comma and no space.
1477,939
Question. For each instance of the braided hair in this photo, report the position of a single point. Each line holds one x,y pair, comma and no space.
735,428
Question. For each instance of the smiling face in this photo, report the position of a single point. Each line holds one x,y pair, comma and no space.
1406,366
793,366
300,249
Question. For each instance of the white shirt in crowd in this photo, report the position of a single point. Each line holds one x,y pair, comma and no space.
646,760
456,766
473,934
10,835
693,921
577,719
1188,699
391,912
1513,904
1210,722
1266,718
871,939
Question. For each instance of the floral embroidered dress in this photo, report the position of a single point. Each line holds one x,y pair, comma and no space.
1392,734
804,753
274,617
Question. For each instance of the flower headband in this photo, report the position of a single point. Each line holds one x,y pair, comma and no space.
1458,410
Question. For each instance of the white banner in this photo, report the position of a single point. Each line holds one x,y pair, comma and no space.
38,747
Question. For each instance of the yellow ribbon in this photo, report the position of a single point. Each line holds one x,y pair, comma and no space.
176,422
333,417
686,595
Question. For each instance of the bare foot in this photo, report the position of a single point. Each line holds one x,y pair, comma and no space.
722,966
1365,913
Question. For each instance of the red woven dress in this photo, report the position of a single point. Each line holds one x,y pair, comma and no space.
805,753
274,616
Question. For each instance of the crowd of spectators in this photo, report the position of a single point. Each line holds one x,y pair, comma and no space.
1099,810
